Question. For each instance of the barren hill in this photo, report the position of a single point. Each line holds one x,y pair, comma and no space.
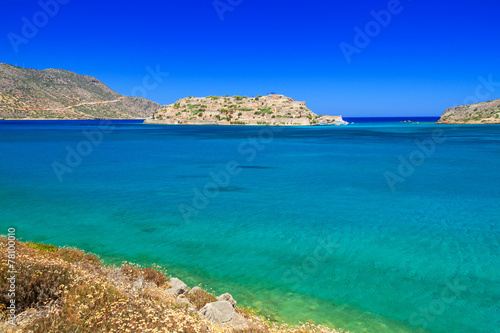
57,93
479,113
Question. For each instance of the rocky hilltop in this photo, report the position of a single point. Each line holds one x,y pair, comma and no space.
480,113
60,94
239,110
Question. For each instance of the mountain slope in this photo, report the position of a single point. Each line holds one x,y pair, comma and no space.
479,113
57,93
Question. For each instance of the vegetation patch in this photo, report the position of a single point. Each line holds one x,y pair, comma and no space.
43,247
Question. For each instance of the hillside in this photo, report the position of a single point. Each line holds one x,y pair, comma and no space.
57,93
239,110
480,113
66,290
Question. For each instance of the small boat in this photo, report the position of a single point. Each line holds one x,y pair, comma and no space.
340,122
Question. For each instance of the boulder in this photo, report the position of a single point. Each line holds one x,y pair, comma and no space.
177,287
219,312
183,301
195,290
227,297
239,322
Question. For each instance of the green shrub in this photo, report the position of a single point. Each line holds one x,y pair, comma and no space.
43,247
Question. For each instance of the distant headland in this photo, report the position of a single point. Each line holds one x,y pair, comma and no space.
60,94
479,113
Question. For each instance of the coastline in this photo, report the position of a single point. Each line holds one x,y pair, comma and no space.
158,122
74,119
65,277
176,292
471,122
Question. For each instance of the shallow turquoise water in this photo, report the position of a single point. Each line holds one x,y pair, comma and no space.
309,228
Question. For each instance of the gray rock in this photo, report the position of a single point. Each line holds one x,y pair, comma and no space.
183,301
227,297
239,322
219,312
195,290
177,287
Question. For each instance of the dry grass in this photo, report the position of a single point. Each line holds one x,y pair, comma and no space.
70,291
200,298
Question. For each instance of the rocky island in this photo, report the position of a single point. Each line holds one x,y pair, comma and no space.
479,113
240,110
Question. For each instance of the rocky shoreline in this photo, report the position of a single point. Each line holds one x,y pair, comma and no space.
69,290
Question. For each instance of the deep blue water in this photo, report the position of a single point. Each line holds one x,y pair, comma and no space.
372,227
67,122
357,120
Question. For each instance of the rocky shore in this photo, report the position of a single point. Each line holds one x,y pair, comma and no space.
68,290
240,110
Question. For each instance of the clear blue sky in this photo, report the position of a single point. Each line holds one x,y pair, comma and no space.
427,58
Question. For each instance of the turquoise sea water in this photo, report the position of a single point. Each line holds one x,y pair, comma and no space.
306,228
